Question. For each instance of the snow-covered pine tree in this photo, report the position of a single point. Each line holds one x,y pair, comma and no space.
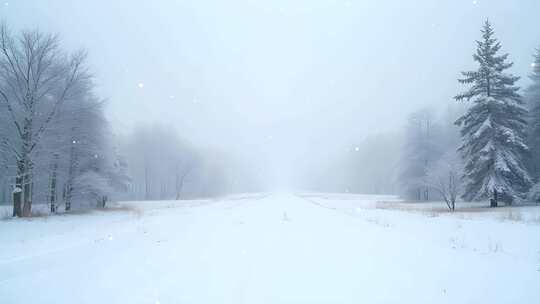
533,104
493,130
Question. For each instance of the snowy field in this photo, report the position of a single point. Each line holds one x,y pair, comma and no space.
274,248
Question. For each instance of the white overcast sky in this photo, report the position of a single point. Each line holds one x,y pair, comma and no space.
280,81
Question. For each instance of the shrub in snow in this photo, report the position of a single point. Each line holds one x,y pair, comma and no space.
444,177
92,188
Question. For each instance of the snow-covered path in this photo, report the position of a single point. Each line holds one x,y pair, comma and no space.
267,249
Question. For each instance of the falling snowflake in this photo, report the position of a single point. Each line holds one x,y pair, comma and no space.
356,149
110,238
6,4
475,2
244,252
140,85
533,65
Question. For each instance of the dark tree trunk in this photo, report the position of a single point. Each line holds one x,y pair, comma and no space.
17,202
494,201
102,202
71,176
53,185
24,167
28,185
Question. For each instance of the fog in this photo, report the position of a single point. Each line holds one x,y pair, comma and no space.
280,86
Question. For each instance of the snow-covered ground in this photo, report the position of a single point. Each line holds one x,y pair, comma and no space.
273,248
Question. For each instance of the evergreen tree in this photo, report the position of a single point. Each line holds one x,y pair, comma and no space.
493,130
533,104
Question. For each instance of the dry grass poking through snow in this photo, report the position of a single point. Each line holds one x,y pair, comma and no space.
6,211
520,213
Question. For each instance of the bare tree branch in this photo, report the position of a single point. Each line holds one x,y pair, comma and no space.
75,66
12,113
7,143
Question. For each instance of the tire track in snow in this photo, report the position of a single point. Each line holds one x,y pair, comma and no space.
351,213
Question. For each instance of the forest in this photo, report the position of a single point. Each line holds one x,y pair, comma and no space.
59,150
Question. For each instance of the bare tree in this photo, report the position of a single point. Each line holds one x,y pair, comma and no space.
36,78
444,177
422,147
160,163
181,174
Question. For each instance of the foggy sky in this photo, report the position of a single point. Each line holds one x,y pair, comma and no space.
282,84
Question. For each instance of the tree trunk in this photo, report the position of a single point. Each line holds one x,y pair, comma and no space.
102,202
23,182
27,194
163,191
25,169
494,201
180,180
17,201
52,198
178,185
146,184
71,177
